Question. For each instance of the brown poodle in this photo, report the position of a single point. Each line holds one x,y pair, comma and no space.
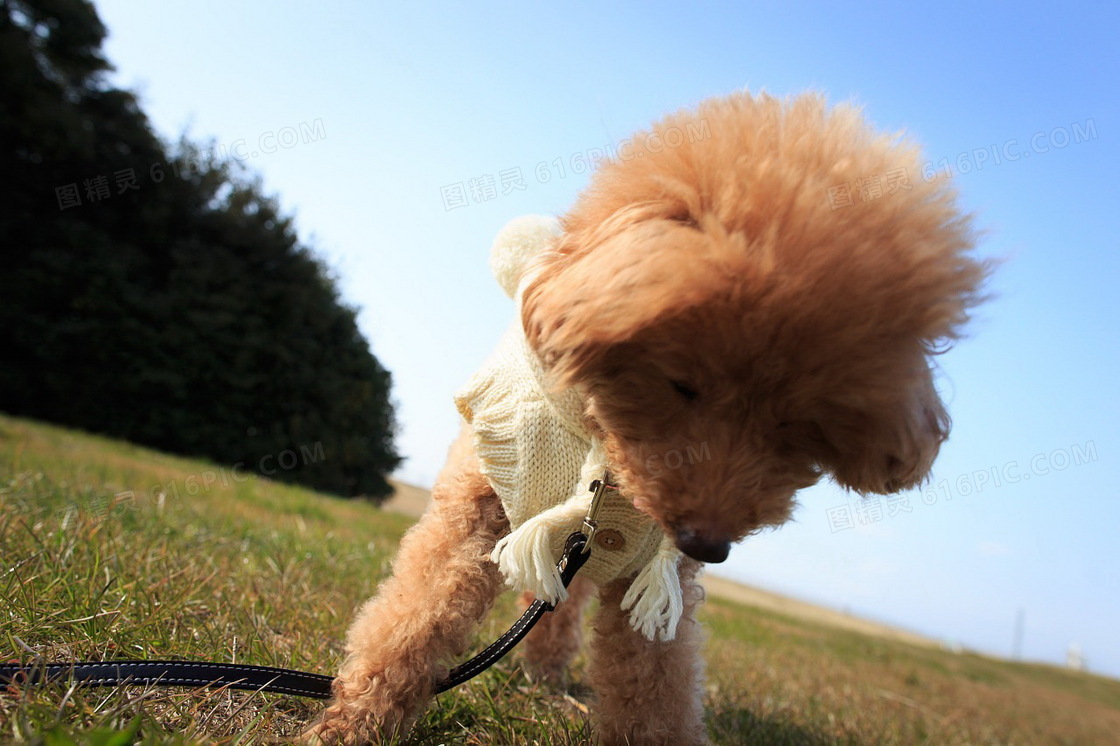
757,283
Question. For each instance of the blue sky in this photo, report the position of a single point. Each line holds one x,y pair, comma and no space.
363,118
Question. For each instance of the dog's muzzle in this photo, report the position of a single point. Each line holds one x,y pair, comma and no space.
702,548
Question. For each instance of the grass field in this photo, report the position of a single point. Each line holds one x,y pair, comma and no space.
113,551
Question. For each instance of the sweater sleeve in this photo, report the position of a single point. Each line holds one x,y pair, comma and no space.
527,557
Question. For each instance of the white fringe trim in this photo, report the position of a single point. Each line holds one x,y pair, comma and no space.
654,599
526,557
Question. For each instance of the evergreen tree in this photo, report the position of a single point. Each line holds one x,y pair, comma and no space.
151,294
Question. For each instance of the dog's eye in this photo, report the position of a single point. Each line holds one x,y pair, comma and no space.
686,220
685,390
803,433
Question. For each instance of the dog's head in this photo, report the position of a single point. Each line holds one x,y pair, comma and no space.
749,297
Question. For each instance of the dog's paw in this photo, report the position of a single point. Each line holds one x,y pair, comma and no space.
332,729
360,713
317,735
349,725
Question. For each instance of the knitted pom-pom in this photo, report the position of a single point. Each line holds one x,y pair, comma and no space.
518,242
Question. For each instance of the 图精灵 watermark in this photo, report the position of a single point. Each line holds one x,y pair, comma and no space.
490,186
874,186
96,188
862,511
102,506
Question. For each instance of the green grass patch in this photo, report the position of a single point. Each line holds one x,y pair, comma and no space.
112,551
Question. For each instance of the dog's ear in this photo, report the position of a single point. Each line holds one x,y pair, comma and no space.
887,444
580,301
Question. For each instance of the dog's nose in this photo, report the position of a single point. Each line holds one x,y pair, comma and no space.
700,548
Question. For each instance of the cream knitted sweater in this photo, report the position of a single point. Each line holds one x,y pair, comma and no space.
540,458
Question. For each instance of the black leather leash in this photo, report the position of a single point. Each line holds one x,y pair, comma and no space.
575,555
283,680
170,673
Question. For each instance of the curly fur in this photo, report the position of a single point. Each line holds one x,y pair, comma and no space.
704,297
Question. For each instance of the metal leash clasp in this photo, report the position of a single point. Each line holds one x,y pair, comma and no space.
590,522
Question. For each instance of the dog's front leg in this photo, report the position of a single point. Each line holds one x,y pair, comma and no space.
649,692
404,639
